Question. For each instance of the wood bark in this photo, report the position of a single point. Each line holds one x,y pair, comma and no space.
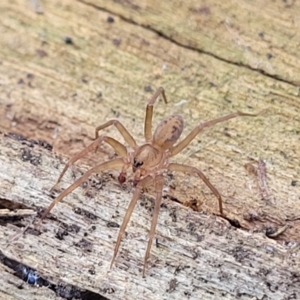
80,63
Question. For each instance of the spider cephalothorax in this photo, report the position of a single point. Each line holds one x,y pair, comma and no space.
147,161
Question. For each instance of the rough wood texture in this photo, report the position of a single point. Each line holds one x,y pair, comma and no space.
211,60
198,257
263,36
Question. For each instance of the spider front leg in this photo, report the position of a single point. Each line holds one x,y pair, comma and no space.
142,184
118,147
149,113
120,127
192,170
185,142
118,162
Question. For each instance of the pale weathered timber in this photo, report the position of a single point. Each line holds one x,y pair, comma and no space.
198,256
60,92
261,35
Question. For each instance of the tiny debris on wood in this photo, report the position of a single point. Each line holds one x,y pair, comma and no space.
68,40
62,232
110,19
172,285
83,212
262,177
271,233
261,174
85,245
113,224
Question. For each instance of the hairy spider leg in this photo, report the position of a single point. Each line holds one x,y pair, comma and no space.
159,184
185,142
118,162
149,113
192,170
118,147
142,184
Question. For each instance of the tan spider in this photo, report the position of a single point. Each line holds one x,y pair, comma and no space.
148,161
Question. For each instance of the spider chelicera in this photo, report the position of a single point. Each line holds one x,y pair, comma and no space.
148,161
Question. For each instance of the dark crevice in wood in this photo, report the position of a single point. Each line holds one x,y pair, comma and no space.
234,222
31,142
5,203
32,277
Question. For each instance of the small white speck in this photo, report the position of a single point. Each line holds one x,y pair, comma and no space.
182,101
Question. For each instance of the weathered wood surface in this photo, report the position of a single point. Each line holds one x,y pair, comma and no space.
211,60
261,35
198,257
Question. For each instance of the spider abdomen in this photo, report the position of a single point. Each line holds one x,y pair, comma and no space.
168,132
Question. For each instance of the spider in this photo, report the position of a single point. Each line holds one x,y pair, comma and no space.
147,161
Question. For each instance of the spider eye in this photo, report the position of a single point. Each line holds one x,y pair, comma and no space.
137,163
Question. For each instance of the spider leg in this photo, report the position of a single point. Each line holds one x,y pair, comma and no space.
149,113
159,183
192,170
185,142
119,148
118,162
142,184
124,132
